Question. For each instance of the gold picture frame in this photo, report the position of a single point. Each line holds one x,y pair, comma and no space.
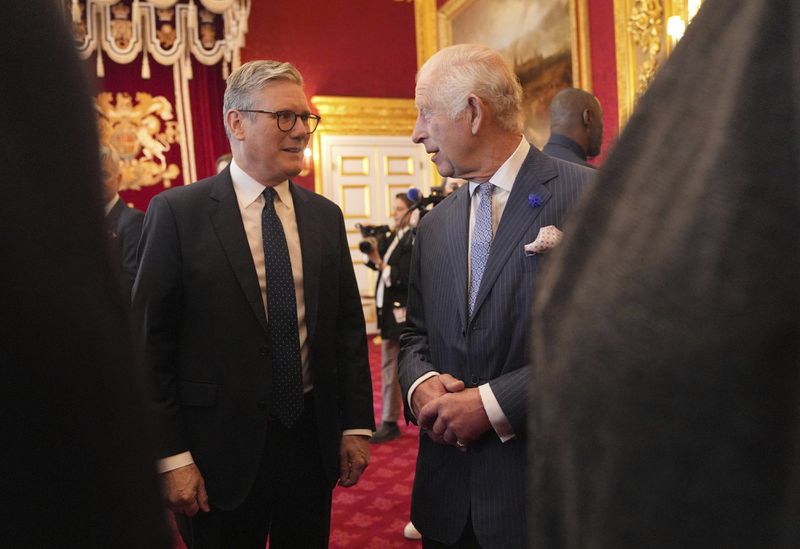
435,30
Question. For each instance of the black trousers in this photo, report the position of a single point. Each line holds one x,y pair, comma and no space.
290,501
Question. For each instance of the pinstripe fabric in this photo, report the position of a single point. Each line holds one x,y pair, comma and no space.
489,346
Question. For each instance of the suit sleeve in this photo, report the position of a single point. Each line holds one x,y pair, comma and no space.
157,310
130,234
355,381
414,360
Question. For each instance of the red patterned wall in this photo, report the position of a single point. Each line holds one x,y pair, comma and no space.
361,48
604,67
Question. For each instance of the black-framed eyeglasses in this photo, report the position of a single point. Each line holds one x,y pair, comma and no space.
287,119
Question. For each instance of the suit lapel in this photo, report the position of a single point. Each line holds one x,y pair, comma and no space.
457,237
312,253
227,221
518,216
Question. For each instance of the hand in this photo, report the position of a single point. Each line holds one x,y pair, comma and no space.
185,490
456,418
353,459
433,388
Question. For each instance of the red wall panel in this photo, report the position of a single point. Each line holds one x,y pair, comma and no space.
604,67
361,48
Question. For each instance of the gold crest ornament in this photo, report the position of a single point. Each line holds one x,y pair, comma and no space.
141,132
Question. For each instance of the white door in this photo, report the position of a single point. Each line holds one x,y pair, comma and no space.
362,174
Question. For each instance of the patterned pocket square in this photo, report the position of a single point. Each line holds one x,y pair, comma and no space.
548,238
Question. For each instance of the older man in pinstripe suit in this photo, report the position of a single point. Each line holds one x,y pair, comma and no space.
463,357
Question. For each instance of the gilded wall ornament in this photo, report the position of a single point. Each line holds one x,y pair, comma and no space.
142,132
646,27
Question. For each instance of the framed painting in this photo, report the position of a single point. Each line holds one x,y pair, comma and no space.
546,42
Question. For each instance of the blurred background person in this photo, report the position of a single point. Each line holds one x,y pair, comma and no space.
392,260
665,388
222,161
123,222
576,126
79,467
450,184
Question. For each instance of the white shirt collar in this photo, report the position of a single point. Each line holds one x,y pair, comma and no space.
505,175
111,203
248,190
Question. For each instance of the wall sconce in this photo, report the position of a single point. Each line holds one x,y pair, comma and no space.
308,162
675,28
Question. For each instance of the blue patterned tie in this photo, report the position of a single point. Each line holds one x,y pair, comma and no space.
286,397
481,241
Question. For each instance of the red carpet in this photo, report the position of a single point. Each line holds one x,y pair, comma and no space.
372,514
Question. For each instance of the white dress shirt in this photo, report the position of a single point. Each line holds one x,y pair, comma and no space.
503,181
251,204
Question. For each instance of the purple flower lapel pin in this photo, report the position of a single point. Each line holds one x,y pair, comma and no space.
534,201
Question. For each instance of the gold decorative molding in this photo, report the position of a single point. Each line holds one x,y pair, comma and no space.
359,116
425,22
581,44
643,44
579,26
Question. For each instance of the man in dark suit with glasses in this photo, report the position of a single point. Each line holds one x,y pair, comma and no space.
254,332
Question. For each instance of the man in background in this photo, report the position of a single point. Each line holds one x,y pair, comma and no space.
124,223
462,363
576,126
254,332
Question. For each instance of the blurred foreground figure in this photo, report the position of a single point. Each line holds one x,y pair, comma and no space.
77,466
665,401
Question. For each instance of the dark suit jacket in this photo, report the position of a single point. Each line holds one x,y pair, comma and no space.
78,460
561,146
396,295
198,299
487,481
125,227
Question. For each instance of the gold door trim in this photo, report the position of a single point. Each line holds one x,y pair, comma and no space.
359,116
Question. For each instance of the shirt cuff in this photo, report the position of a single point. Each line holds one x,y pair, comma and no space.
495,413
359,432
174,462
410,393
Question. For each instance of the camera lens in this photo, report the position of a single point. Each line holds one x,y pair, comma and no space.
365,246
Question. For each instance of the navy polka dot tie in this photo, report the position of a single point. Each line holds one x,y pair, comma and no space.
286,396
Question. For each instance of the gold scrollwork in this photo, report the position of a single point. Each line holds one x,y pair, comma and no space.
646,27
134,130
643,44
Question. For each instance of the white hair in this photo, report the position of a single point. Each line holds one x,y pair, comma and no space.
242,84
464,69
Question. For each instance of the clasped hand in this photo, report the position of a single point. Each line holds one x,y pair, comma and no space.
449,412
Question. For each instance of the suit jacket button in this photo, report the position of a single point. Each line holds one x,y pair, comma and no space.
474,380
262,405
263,350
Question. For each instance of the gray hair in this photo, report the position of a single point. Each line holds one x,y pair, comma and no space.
250,78
465,69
